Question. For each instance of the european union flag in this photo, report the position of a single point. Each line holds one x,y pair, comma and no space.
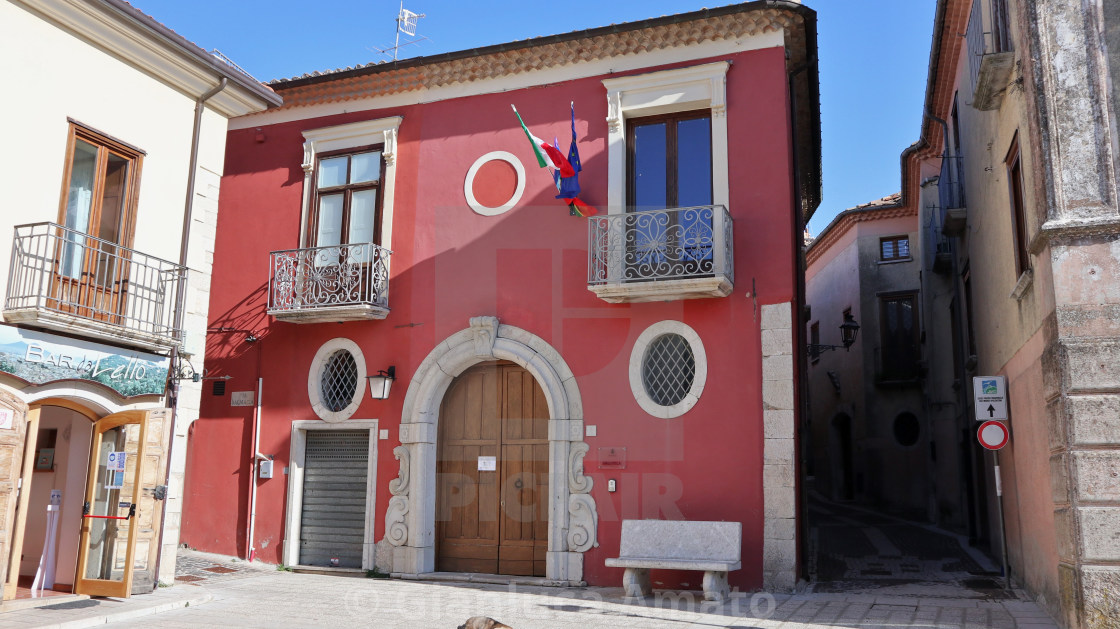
569,186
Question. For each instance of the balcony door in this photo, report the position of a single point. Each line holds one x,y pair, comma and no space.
97,215
670,166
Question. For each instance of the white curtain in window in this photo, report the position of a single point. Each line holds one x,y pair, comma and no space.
79,202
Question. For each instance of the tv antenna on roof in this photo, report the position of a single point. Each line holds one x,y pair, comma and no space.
406,23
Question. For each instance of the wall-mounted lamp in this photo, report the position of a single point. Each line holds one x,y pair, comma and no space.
380,384
848,331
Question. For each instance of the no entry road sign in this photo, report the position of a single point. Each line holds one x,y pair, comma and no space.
989,396
993,435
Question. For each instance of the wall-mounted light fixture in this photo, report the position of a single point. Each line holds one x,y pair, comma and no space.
380,384
848,331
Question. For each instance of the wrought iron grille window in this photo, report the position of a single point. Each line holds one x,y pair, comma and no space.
668,369
338,382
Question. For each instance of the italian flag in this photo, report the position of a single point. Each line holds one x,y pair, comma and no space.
543,149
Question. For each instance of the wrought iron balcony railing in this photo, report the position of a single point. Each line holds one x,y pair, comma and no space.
631,253
990,52
937,247
62,278
335,283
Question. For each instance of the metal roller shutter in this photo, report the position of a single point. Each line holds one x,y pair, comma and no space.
333,521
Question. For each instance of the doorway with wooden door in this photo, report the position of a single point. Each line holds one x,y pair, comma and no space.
492,488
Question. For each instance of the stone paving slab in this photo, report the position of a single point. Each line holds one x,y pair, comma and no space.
256,595
267,600
99,611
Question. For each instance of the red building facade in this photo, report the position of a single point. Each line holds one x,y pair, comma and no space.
553,374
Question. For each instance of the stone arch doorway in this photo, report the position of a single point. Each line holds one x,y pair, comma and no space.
410,520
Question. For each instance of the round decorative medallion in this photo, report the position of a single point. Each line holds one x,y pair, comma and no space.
495,183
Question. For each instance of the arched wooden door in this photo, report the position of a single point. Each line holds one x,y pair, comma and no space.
492,501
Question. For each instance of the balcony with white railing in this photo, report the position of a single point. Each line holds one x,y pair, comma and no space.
991,57
661,255
66,280
329,284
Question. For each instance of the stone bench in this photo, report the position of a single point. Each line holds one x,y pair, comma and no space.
714,547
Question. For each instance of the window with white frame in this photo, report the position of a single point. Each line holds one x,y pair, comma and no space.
692,89
349,179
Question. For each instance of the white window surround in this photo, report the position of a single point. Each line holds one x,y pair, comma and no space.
663,92
381,131
294,511
468,183
637,359
315,375
410,519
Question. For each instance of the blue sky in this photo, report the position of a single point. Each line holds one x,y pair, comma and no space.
873,58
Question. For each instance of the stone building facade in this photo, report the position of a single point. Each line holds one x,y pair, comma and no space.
1021,238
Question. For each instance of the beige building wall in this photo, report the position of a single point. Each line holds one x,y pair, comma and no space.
80,61
1053,330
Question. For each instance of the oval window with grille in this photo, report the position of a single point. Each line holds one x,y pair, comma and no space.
334,382
668,368
338,381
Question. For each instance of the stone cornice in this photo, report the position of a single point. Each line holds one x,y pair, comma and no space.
1062,231
152,48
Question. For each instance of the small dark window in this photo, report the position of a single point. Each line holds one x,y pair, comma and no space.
898,329
894,248
907,429
219,387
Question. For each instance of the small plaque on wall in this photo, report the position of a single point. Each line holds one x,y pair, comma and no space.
487,463
612,458
241,398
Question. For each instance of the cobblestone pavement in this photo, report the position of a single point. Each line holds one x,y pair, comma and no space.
259,597
857,549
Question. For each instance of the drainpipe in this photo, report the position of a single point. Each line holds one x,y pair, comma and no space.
180,298
803,429
251,549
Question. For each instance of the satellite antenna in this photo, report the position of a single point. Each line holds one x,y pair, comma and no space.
406,23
